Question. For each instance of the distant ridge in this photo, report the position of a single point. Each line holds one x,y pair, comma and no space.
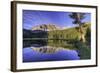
46,27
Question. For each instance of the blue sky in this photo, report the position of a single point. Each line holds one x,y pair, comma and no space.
33,18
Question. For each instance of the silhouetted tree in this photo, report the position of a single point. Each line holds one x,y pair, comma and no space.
78,17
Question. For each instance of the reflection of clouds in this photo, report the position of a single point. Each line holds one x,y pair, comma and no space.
62,54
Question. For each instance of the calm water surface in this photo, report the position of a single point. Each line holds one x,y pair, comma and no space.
30,55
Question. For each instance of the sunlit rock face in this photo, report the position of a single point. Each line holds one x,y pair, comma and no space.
46,27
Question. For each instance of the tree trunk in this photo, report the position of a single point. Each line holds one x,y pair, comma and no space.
82,38
82,35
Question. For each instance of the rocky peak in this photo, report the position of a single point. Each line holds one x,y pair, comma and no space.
46,27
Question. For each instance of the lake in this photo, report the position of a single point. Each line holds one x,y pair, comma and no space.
39,54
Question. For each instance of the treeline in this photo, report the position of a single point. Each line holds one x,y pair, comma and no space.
70,33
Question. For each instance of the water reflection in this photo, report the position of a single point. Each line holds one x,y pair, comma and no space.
48,50
30,55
